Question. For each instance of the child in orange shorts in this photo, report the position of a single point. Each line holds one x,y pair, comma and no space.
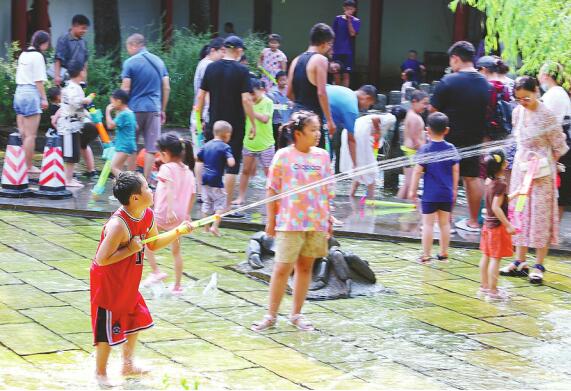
496,240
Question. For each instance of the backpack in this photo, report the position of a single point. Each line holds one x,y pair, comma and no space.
500,111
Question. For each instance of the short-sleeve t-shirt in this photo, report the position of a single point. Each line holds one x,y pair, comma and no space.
308,210
464,98
226,81
264,132
31,68
214,155
126,126
343,43
344,106
438,181
282,105
72,115
180,180
495,187
146,72
71,51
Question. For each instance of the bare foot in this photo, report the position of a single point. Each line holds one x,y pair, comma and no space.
214,231
104,382
134,370
238,201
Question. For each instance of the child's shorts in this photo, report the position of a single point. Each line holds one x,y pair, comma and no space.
213,199
496,242
73,143
113,328
290,245
431,207
265,157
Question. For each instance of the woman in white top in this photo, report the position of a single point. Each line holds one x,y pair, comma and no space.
30,96
558,102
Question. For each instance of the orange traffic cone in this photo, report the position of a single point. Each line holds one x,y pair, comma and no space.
15,171
52,182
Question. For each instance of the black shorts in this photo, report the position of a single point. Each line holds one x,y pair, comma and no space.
470,167
431,207
346,60
73,143
565,189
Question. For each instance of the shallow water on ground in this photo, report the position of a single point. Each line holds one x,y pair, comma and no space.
428,331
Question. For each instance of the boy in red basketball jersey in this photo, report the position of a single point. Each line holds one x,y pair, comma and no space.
118,311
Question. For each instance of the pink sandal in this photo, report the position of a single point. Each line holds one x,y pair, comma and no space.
301,323
267,322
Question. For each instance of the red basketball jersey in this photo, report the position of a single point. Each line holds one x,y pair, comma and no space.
116,287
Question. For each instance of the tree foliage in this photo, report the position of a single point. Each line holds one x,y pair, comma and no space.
535,31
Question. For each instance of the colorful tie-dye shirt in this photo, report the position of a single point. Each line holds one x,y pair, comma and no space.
308,210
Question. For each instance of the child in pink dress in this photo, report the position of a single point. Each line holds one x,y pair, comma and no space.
272,59
174,197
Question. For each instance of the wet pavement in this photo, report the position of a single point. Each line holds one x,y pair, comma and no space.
358,220
431,332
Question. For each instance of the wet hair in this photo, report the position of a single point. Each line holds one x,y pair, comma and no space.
52,93
257,84
350,3
221,127
126,184
274,37
80,20
463,49
74,71
281,74
527,83
39,38
418,95
494,161
297,122
121,95
437,122
370,91
172,143
321,33
409,73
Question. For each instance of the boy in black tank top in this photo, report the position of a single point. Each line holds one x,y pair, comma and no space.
312,65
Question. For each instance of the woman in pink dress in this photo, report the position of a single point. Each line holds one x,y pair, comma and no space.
538,134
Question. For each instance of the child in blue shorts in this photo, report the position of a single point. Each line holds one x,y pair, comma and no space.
440,163
125,141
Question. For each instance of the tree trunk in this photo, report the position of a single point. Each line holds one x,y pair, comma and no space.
199,18
107,31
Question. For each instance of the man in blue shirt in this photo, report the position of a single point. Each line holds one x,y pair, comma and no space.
71,49
416,66
146,78
345,105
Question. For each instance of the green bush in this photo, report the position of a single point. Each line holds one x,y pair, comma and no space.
181,60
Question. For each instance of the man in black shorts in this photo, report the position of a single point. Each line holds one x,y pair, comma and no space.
228,83
463,96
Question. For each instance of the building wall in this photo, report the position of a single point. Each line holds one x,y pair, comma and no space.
239,12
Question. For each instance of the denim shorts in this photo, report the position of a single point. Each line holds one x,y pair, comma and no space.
27,100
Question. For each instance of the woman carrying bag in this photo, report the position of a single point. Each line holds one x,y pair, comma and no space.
538,135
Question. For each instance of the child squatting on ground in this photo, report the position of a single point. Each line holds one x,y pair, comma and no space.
496,240
300,222
216,155
125,123
174,198
262,146
118,311
440,186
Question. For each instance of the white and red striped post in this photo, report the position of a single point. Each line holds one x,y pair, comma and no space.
15,170
52,177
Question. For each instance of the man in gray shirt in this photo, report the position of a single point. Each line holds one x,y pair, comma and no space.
71,49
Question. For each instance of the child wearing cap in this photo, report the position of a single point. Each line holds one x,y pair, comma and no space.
272,59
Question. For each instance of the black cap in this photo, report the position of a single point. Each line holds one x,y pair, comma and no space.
486,62
234,42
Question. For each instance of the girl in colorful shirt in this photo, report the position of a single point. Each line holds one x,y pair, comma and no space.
174,197
272,60
300,222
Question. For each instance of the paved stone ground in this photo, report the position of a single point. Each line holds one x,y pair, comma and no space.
431,333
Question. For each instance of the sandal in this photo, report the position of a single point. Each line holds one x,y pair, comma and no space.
301,323
482,292
500,295
515,269
425,260
266,323
442,258
74,183
536,275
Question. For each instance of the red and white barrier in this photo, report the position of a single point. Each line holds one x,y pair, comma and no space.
15,170
52,177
